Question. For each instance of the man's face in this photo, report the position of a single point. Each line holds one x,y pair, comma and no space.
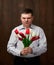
26,19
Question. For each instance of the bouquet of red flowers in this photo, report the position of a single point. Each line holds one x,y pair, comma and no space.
26,38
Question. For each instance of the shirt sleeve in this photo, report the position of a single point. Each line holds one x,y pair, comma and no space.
42,47
11,46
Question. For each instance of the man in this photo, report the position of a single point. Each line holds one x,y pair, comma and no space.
30,54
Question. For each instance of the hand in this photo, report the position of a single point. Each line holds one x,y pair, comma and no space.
29,49
26,50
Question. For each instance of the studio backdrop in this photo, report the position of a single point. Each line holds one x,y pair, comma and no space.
10,17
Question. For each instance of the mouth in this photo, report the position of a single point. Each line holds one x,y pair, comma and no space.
26,22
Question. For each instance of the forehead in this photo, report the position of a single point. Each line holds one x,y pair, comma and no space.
26,15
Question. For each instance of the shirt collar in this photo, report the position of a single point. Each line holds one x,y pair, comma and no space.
22,27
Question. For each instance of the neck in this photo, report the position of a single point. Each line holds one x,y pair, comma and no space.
27,26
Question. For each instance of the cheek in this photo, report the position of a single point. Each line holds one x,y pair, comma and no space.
30,21
23,22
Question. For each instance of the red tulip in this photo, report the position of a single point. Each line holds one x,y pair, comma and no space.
28,31
16,31
35,38
21,34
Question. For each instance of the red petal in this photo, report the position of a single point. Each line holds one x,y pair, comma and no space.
35,38
16,31
22,34
28,31
20,38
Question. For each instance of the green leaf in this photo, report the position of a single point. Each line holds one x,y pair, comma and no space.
26,42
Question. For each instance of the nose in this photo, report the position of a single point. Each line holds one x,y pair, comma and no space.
26,20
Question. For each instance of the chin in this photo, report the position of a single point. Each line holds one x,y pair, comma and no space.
27,26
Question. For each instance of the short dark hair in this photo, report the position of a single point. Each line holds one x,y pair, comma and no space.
27,10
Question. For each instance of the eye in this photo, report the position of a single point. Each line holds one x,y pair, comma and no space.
29,18
24,18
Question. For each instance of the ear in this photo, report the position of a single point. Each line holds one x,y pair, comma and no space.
20,17
32,17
